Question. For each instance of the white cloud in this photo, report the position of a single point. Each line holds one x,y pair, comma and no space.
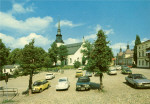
34,24
18,8
109,31
145,39
92,36
118,45
20,42
67,23
97,28
71,40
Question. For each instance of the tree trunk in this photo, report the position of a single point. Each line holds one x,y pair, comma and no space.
30,82
101,82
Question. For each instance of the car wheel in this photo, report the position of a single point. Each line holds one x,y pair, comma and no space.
48,86
135,86
40,90
127,81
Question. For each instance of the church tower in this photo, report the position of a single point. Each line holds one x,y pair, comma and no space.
59,40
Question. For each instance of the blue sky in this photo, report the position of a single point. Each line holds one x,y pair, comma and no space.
22,20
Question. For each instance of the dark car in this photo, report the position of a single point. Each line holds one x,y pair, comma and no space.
83,83
126,71
138,80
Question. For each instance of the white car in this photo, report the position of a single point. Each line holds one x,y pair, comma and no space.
49,76
118,67
63,84
112,70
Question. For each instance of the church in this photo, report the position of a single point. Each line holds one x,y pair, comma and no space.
74,50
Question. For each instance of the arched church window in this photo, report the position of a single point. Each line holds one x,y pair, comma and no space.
78,59
70,60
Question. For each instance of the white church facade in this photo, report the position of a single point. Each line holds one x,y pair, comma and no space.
74,50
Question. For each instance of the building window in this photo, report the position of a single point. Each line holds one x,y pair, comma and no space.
78,59
142,62
143,53
70,60
139,47
146,63
139,62
139,54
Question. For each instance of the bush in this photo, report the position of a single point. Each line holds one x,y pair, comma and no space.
77,64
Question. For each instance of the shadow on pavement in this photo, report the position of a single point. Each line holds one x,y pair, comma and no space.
130,85
94,86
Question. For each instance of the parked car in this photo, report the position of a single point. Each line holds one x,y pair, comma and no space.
40,85
126,70
112,72
49,76
138,80
118,67
79,73
79,68
88,74
124,66
83,83
63,84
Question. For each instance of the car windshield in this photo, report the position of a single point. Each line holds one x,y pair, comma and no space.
62,80
78,72
49,74
128,70
83,80
37,83
139,76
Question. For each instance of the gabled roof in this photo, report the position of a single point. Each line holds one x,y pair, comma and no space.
8,67
72,48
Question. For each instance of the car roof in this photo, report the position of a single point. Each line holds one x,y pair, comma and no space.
136,74
84,77
63,78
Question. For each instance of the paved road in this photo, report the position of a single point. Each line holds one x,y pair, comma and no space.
116,91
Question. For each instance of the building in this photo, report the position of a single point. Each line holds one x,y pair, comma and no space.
143,50
10,69
126,57
74,50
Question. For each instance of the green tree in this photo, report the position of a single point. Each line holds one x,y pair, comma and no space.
15,56
77,64
87,49
4,52
48,62
137,41
62,54
31,59
53,52
101,55
83,60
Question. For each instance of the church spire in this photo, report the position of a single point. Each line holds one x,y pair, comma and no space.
83,40
59,40
58,30
128,45
120,49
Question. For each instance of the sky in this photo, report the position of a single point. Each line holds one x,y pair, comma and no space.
121,20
